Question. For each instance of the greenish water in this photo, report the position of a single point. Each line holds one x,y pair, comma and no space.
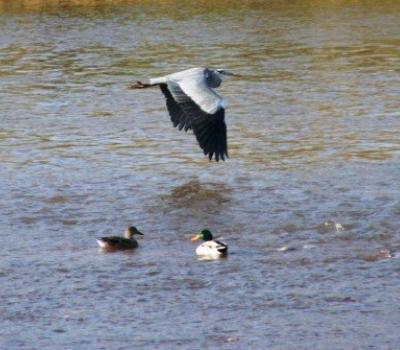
313,129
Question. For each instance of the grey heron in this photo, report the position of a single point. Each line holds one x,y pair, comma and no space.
193,104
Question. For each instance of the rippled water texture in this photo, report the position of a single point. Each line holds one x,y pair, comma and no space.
308,200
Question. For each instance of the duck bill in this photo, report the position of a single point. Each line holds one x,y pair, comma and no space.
195,238
139,233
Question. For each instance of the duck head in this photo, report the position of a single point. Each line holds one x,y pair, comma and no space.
204,234
131,231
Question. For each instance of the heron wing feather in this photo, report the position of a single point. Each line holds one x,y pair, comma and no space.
209,128
193,82
178,117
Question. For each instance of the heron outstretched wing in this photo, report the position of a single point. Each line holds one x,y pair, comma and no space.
192,105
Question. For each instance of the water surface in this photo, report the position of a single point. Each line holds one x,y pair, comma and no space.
307,200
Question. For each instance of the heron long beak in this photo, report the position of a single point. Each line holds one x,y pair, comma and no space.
195,238
231,74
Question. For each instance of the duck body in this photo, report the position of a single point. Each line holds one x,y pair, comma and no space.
113,243
210,247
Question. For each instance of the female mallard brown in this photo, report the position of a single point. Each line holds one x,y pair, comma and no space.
120,243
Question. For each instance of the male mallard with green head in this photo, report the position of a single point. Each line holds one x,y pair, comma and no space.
210,247
120,243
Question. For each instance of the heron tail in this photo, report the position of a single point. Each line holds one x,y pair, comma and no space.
140,85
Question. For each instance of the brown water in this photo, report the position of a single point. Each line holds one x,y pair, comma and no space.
307,201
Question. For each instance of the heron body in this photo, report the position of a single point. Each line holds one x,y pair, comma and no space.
193,104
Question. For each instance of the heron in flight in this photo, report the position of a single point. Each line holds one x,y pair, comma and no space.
193,104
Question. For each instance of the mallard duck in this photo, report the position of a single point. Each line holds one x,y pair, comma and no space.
120,243
211,247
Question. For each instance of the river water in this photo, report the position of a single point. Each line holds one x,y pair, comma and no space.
309,200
